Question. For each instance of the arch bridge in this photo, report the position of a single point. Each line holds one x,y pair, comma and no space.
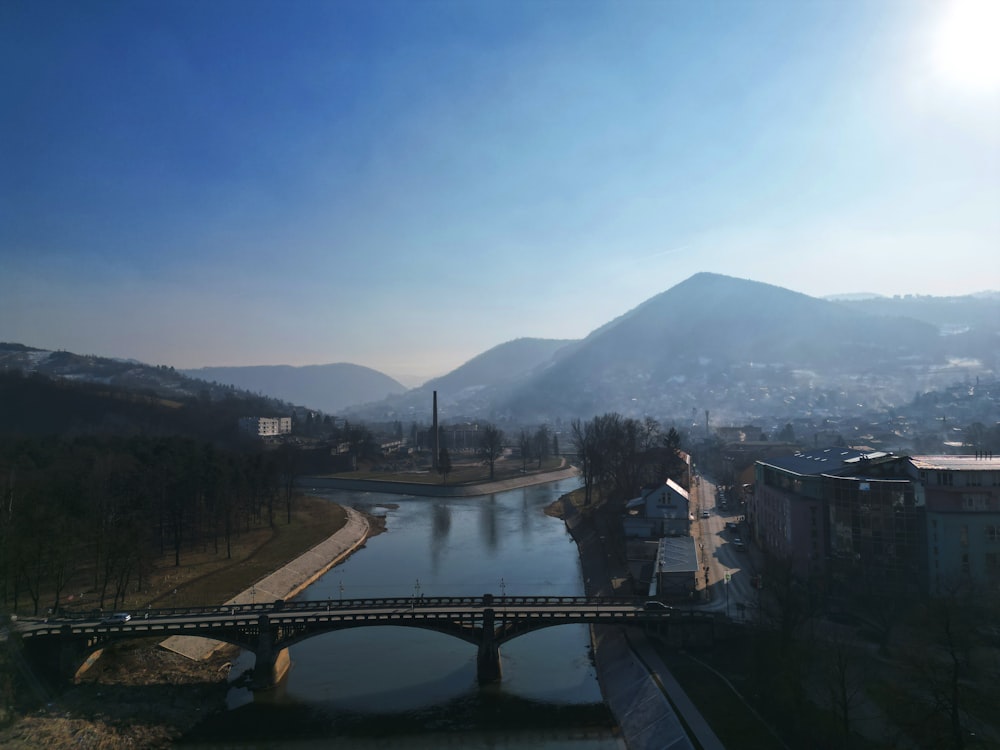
62,644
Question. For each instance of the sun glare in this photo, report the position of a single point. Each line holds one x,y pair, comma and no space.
966,51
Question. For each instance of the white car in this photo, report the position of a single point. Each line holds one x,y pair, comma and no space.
118,618
705,514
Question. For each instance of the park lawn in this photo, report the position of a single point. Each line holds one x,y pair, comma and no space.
206,577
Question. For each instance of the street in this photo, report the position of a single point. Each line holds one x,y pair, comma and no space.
717,552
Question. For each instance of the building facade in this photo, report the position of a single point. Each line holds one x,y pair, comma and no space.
658,512
266,426
880,523
962,496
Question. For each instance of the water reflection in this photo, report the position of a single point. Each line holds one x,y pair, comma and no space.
407,687
441,525
488,523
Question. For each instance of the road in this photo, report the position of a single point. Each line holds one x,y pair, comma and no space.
720,555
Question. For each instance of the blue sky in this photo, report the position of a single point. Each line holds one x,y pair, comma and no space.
404,185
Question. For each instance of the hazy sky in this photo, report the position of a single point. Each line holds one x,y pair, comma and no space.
406,184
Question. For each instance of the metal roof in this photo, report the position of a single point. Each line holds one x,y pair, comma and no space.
819,461
676,554
957,463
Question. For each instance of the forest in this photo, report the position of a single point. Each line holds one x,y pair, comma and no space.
97,482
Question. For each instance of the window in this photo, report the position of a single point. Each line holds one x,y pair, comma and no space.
992,533
945,478
965,562
974,479
992,561
975,501
963,536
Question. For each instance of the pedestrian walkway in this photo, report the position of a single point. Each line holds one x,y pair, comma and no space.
286,582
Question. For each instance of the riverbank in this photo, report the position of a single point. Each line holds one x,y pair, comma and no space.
645,705
287,581
418,489
140,694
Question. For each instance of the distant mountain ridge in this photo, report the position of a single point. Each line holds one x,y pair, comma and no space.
737,347
329,388
497,370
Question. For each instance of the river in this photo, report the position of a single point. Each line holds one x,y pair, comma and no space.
389,687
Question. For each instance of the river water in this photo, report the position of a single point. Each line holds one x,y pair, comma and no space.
396,687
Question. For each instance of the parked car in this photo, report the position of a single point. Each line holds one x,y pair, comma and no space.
705,514
118,618
738,543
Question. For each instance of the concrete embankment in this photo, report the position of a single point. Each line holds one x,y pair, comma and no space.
648,706
287,581
419,489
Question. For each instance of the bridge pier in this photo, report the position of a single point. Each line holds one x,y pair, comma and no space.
271,663
57,665
488,660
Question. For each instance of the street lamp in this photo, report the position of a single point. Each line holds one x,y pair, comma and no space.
729,577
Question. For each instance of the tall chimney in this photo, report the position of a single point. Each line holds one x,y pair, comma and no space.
437,442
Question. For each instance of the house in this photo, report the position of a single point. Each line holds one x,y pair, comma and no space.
658,512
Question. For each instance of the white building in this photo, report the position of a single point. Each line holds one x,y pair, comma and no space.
661,511
266,426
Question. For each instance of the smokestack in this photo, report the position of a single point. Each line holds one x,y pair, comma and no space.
437,443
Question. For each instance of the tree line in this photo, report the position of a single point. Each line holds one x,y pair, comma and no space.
619,455
94,512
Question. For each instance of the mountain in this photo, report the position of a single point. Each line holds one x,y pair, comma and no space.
698,344
329,388
978,313
495,371
738,348
60,393
160,380
501,364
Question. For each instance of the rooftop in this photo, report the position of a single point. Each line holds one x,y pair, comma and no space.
986,462
820,461
676,555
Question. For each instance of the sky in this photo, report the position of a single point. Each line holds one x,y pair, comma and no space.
404,185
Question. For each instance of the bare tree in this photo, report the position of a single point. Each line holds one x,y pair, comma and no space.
541,444
524,447
444,465
490,448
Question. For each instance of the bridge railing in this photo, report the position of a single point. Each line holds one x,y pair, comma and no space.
353,603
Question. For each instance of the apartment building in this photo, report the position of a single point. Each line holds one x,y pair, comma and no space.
848,519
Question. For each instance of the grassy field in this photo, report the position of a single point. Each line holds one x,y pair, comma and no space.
207,576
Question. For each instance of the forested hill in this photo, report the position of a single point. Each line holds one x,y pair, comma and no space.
35,405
